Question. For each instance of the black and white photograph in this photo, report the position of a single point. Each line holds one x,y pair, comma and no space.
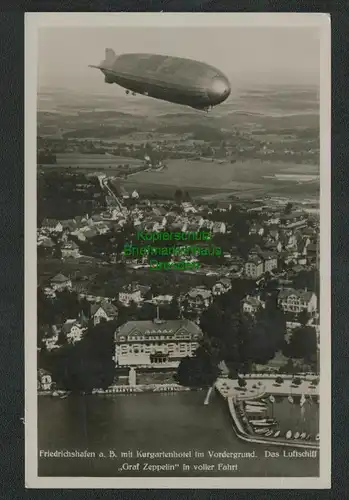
177,236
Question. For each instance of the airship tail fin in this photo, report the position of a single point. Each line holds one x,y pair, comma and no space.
110,56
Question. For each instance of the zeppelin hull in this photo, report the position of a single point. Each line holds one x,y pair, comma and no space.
173,79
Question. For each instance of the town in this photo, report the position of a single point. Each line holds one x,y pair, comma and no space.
251,308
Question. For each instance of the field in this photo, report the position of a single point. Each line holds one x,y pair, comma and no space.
242,177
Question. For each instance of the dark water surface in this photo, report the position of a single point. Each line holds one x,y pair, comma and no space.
111,425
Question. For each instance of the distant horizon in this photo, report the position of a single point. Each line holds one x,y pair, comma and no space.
249,56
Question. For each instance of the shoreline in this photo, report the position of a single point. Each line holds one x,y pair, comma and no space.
244,436
125,389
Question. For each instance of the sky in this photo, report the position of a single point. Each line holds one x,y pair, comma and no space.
247,55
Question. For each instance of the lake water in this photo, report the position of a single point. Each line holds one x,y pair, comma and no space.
178,422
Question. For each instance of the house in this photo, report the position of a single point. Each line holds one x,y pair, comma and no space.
256,229
296,301
72,330
273,219
199,298
135,195
293,220
188,207
270,261
101,227
224,206
130,293
254,267
60,282
52,225
274,234
69,225
103,311
156,344
273,246
46,243
44,380
70,249
222,286
219,227
162,299
251,305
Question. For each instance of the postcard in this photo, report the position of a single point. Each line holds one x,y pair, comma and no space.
177,228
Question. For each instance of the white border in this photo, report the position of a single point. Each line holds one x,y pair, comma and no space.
33,21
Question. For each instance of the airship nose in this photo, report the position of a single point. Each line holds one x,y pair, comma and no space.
219,89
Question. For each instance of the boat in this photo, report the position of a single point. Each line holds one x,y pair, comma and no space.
290,398
255,403
63,396
303,435
288,434
308,437
55,393
261,431
263,422
269,433
271,398
277,434
255,409
317,437
296,436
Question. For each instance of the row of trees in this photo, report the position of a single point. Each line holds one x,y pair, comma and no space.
242,340
86,365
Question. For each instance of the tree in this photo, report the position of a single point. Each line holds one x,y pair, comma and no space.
197,371
279,380
288,208
303,317
89,363
242,382
178,196
303,344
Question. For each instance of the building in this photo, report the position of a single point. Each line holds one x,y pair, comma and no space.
293,220
130,293
103,312
270,261
157,343
60,282
70,249
199,298
222,286
254,267
251,305
72,330
52,225
296,301
219,227
44,380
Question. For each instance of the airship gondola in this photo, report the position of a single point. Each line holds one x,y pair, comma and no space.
174,79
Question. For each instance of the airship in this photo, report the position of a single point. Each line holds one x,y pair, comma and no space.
174,79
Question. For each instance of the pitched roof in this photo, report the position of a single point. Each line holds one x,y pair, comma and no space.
169,327
305,295
108,308
196,292
49,223
59,278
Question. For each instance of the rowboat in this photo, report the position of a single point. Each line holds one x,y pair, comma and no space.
255,403
296,436
288,434
261,431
